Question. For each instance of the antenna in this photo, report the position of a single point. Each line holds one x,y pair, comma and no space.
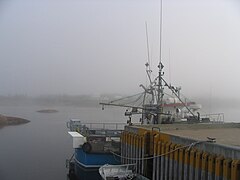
160,35
160,66
160,73
169,56
148,67
148,57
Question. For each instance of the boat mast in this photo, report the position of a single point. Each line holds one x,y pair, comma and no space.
148,71
160,73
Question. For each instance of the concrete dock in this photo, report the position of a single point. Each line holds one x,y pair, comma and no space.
226,133
183,151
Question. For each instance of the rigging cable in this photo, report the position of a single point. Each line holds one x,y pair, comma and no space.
125,98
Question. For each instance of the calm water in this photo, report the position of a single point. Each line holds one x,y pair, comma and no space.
38,150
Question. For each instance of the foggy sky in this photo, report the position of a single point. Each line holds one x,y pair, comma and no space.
99,46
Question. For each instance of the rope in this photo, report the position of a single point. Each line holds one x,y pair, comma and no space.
189,146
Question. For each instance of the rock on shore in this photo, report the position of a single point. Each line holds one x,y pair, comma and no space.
9,120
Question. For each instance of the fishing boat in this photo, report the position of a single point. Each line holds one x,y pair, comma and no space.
159,102
95,143
162,103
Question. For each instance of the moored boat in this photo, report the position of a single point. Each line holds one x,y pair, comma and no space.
95,143
120,172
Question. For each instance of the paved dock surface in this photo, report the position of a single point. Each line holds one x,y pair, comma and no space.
227,133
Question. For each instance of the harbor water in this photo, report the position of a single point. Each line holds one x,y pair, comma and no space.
38,150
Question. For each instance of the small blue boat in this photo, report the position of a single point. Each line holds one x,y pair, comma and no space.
95,143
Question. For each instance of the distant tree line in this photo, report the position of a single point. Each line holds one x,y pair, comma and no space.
55,100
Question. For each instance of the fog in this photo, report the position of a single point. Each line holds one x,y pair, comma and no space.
99,46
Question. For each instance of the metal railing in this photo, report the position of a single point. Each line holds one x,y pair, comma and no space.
108,129
108,126
214,117
111,126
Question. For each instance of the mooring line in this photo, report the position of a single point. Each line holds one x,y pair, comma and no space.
189,146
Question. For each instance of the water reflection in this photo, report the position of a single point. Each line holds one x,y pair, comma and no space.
76,172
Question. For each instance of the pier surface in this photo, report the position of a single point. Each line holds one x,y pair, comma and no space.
226,134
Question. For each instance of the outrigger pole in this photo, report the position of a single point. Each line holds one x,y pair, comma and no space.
170,87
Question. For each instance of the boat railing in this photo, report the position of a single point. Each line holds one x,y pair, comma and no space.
108,129
109,126
214,117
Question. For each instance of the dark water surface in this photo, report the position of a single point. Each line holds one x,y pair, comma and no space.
38,150
83,174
